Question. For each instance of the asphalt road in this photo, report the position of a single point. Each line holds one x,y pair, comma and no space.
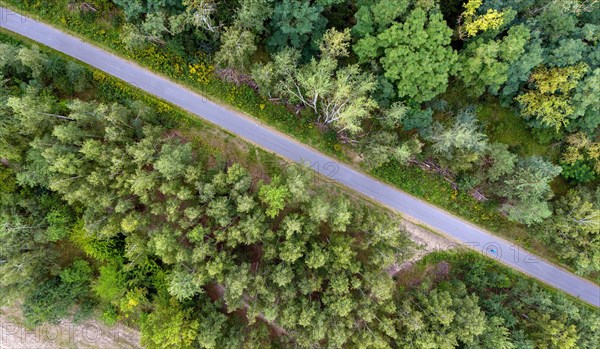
462,232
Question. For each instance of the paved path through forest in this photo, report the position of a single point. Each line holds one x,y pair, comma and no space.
440,220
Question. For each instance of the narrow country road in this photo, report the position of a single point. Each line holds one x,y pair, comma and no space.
464,233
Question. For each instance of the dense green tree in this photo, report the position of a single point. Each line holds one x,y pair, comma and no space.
173,160
553,333
152,30
419,119
503,295
528,189
495,335
587,108
111,284
556,22
569,52
579,172
134,9
440,319
237,46
297,24
574,229
550,100
170,224
498,161
531,178
459,145
179,332
253,14
53,299
338,96
413,53
520,69
268,76
298,181
156,22
274,196
200,14
394,115
471,23
27,255
373,18
485,65
581,158
385,147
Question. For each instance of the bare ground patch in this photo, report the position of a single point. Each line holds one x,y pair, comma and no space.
89,334
427,241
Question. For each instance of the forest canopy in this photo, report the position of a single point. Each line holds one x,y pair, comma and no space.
496,100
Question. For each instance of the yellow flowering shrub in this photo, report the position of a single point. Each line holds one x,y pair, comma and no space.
99,76
163,107
200,72
132,300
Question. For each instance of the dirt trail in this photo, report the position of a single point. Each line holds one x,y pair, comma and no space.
426,239
89,334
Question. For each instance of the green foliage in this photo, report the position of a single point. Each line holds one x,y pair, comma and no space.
99,248
520,69
550,101
78,274
505,295
579,172
551,333
419,119
182,285
569,52
110,285
27,254
174,159
237,46
385,147
440,319
414,54
252,14
574,229
297,24
179,232
394,115
59,223
581,158
473,23
146,197
338,96
529,188
549,25
52,300
49,302
504,125
374,17
499,161
485,65
274,196
179,331
164,20
587,108
460,145
556,21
